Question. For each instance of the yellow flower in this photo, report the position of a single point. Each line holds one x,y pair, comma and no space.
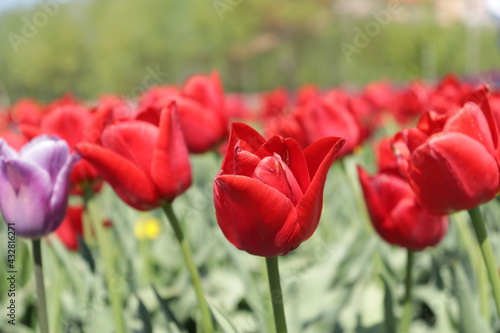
148,228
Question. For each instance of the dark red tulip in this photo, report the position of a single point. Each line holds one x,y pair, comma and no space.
145,164
269,194
451,160
396,215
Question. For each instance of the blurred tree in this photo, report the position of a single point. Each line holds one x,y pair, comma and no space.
93,47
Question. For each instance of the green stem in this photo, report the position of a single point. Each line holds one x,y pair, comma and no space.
106,247
40,289
408,306
193,271
487,252
88,193
273,274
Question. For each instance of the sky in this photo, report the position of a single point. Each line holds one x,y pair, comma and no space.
9,4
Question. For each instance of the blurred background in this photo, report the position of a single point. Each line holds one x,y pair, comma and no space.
92,47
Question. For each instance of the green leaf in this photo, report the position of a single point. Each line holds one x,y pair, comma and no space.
390,320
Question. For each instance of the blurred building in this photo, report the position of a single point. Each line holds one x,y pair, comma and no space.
445,12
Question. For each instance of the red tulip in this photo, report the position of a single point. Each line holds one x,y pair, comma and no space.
145,164
449,93
71,227
306,94
201,110
72,123
411,102
325,117
14,139
268,195
379,94
203,118
26,111
286,126
274,102
386,161
451,160
396,215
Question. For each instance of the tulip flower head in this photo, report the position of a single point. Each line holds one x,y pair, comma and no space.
268,195
396,215
201,109
451,160
145,164
34,185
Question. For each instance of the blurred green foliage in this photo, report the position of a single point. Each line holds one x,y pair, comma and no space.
92,47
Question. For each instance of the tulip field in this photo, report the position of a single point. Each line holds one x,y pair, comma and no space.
193,209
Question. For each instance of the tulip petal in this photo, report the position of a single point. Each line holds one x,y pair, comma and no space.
171,168
413,138
206,90
273,172
319,156
6,151
453,172
244,162
25,191
316,152
383,192
471,121
29,130
149,115
432,122
480,97
295,160
70,123
202,128
46,152
132,140
252,215
272,146
249,139
59,199
415,228
126,178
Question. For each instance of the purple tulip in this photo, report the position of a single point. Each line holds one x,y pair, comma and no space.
34,185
